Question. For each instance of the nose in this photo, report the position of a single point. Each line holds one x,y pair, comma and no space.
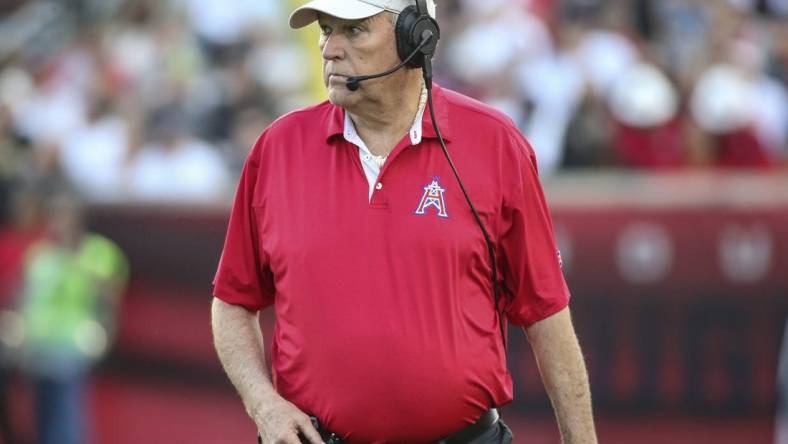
332,48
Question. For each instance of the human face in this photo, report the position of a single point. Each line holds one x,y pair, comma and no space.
356,48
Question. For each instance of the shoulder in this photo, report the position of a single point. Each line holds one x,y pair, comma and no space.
304,119
299,125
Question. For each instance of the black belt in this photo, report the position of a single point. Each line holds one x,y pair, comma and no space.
464,436
475,430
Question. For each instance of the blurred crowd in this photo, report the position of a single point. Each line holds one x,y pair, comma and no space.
639,84
161,100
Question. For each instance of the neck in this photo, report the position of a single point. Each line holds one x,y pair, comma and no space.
381,123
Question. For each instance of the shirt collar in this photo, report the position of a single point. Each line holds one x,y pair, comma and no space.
337,120
415,131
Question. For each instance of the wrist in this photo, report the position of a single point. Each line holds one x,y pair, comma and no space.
259,408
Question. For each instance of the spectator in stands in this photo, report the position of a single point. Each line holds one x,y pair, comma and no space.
486,57
73,281
553,76
683,36
270,63
93,157
604,51
743,110
647,126
177,166
486,48
223,24
554,86
54,105
247,127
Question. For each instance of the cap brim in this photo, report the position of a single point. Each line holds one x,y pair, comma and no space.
344,9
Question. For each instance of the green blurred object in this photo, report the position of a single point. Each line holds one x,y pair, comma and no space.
68,307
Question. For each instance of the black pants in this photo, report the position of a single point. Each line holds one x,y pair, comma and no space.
498,434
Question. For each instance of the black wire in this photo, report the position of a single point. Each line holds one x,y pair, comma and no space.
487,239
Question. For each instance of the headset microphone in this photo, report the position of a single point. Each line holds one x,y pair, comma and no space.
353,83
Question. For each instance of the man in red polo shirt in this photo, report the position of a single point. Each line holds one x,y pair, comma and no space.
349,221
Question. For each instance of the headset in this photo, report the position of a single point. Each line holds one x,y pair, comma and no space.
413,25
417,35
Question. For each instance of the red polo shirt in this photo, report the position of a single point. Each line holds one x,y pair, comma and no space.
386,329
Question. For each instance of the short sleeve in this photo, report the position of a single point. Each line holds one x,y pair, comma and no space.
530,260
243,277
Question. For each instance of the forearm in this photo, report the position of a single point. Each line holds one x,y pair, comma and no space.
239,344
564,375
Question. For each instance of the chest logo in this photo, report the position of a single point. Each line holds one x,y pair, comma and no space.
433,197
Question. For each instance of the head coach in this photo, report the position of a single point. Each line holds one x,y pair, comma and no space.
396,229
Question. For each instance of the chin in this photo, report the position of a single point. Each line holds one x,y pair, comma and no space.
341,96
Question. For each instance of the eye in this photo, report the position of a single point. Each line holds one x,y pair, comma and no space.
325,30
354,30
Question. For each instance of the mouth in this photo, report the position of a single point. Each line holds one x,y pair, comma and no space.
337,79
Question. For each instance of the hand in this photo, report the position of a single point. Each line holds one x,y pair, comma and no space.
280,422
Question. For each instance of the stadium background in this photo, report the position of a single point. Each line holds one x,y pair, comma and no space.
660,128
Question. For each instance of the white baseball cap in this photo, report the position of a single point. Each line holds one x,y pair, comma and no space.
350,9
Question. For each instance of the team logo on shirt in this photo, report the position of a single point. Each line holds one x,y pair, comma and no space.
433,197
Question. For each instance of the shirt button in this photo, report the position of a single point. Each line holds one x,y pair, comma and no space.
379,186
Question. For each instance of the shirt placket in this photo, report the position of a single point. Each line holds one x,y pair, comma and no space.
379,198
414,136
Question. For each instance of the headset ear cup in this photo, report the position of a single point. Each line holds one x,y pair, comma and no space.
406,23
410,25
